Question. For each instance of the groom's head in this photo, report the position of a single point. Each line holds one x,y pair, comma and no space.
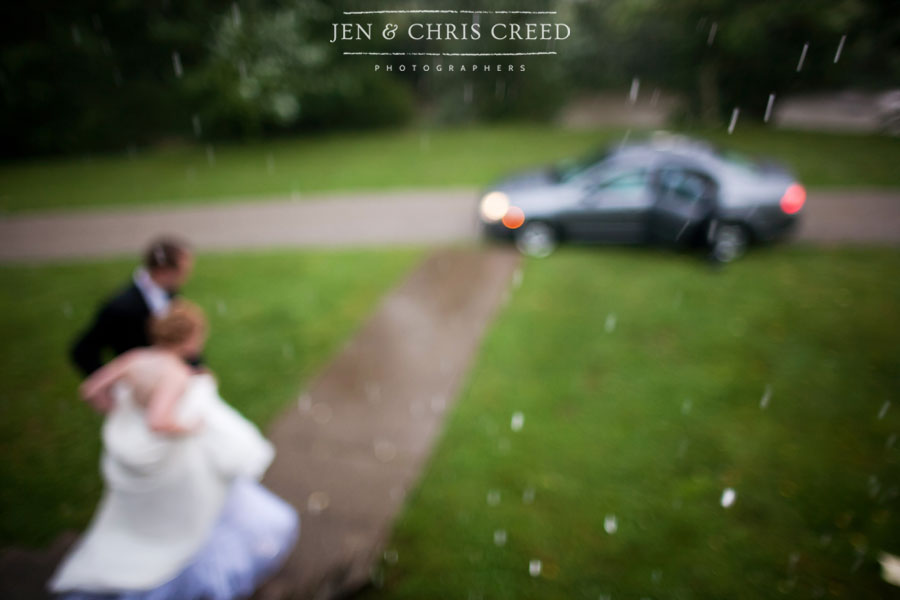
169,261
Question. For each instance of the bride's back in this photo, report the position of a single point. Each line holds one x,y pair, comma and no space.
145,371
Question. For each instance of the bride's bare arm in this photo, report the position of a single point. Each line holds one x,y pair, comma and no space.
96,388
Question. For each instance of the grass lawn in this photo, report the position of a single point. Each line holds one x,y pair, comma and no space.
276,317
389,159
641,377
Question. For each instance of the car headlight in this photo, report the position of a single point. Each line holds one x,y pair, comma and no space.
494,206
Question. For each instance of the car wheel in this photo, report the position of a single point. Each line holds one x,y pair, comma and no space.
536,239
728,241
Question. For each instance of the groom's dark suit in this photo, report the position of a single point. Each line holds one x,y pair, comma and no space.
120,326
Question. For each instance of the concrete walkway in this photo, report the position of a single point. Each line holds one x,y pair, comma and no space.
402,217
356,441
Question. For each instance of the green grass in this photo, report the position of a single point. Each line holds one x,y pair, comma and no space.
653,420
390,159
276,317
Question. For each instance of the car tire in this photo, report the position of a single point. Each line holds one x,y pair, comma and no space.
728,241
537,239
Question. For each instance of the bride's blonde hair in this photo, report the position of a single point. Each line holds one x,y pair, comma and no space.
183,319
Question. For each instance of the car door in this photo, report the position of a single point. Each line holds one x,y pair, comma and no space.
684,199
613,207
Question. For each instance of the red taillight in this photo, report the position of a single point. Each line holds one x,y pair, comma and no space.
793,199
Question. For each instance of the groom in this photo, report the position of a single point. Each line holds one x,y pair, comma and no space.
121,324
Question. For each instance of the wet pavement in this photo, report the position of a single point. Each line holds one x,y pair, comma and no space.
411,217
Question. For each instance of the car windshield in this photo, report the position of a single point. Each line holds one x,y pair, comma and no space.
569,169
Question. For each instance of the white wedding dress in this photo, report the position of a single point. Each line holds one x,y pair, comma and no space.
181,516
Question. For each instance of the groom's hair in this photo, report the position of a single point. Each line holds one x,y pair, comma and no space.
179,323
164,252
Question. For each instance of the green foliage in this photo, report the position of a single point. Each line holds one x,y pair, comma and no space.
276,318
725,54
275,70
650,418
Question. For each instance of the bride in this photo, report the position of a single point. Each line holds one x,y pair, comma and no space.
182,515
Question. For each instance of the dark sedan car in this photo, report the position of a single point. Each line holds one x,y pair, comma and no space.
670,190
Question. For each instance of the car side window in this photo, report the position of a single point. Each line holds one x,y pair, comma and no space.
683,184
623,181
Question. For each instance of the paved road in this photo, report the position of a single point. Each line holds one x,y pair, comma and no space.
401,217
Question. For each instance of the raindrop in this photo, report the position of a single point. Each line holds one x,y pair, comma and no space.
304,403
76,35
210,155
176,65
287,351
769,108
712,33
891,440
610,524
635,89
767,395
840,48
67,310
517,421
890,568
391,557
884,409
534,567
493,498
686,407
793,559
236,14
500,537
221,308
503,445
625,138
424,141
270,164
734,118
728,497
528,496
195,123
656,576
682,448
438,404
317,502
385,451
468,93
517,278
802,56
610,324
654,97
